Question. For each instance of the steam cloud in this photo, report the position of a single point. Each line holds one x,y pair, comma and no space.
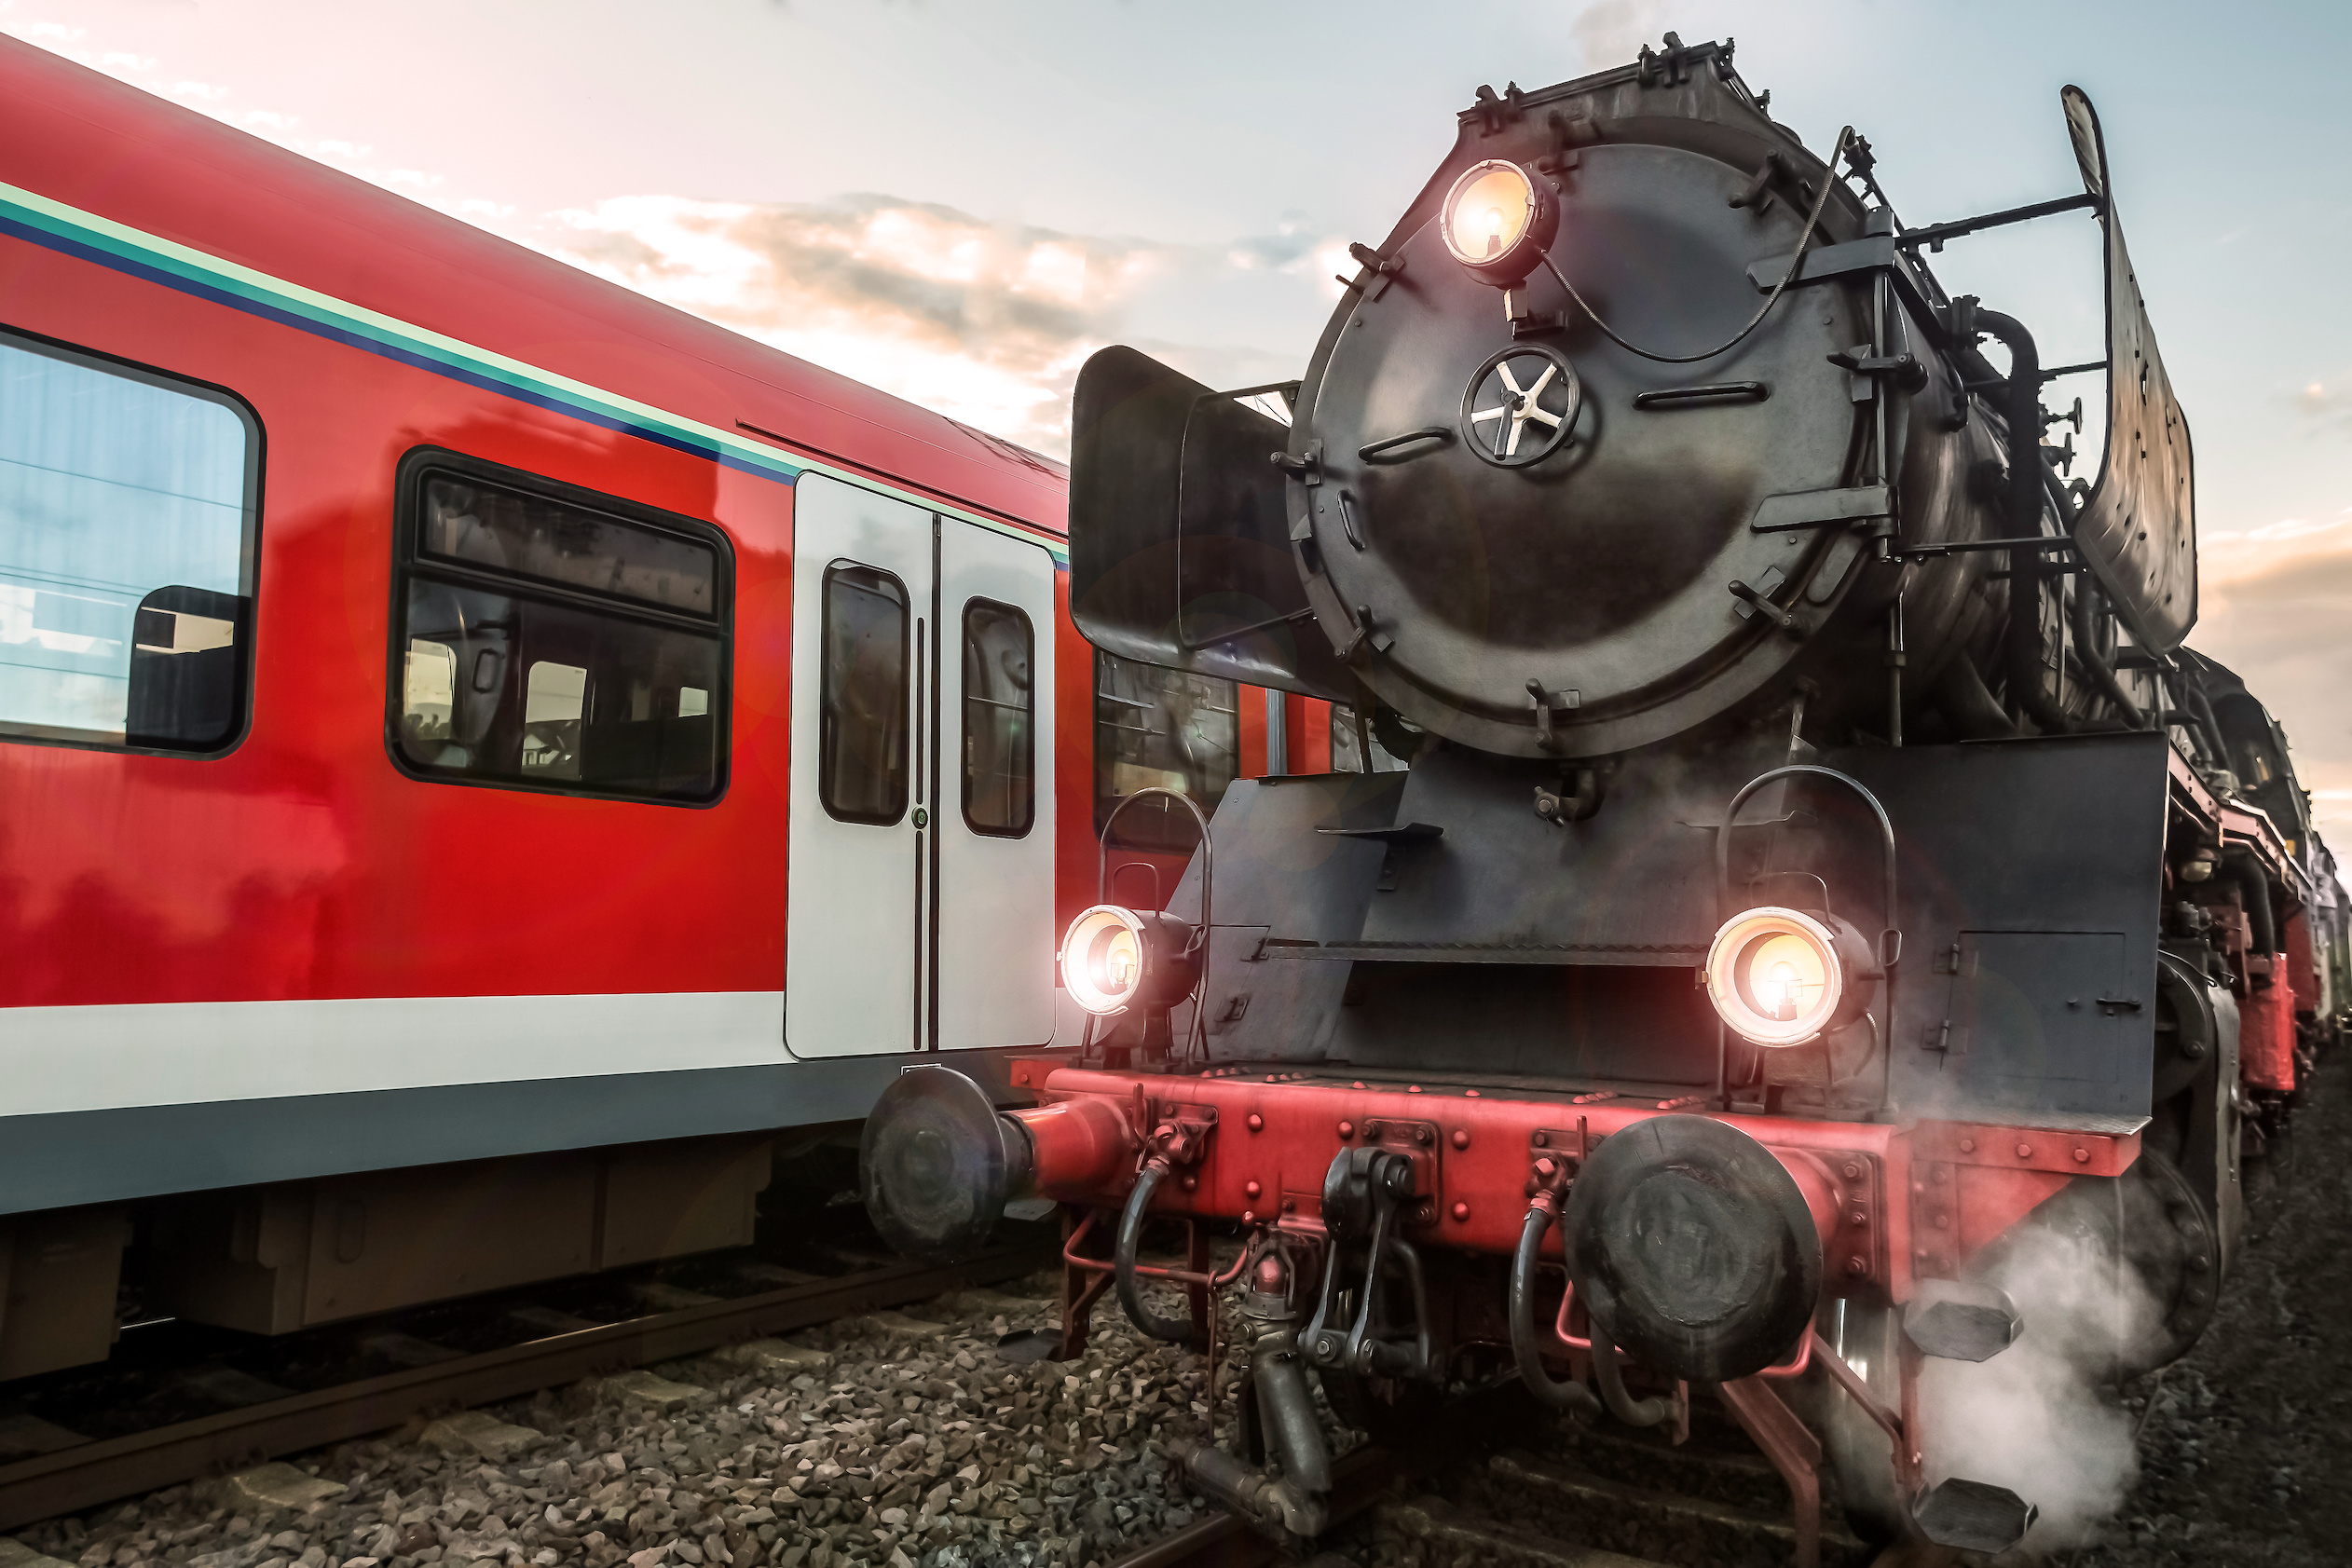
2035,1418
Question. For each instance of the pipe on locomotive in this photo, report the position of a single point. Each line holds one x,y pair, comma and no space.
2085,622
2022,641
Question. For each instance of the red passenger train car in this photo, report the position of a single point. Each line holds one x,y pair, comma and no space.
482,751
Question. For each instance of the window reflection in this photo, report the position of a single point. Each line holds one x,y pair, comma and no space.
542,682
1164,727
862,760
539,537
126,541
1000,789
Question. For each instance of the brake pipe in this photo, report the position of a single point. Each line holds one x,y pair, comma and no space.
1176,1330
1568,1395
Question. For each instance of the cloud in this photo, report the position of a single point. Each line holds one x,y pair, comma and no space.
2284,529
2275,604
987,322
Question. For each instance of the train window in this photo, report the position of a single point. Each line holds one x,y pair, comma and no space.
524,534
1351,735
1000,745
552,699
553,637
129,501
1165,727
862,752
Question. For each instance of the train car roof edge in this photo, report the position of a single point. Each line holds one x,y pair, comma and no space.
152,175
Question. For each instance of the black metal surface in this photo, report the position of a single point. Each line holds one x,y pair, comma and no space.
1974,1516
2009,955
1510,943
2138,528
933,1166
1962,1323
1692,1247
1455,577
2169,1234
1465,559
1180,549
1504,875
1279,876
2192,1011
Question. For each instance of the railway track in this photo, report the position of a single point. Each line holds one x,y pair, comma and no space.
1494,1481
1537,1493
266,1421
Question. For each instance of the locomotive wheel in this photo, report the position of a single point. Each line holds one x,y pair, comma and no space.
2170,1239
1859,1455
2152,1219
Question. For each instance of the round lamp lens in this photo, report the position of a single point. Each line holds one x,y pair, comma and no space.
1491,206
1776,977
1102,958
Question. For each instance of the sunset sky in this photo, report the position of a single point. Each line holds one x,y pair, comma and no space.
958,201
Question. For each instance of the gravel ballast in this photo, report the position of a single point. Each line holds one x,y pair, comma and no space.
898,1440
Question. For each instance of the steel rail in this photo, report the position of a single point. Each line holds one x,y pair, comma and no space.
1224,1540
1491,1419
1493,1416
70,1479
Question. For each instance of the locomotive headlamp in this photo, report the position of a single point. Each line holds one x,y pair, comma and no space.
1113,959
1782,976
1498,220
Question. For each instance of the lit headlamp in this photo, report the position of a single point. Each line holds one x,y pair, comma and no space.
1498,221
1782,976
1113,959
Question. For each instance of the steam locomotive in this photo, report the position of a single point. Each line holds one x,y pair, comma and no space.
1818,864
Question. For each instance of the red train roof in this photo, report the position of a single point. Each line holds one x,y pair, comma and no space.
83,139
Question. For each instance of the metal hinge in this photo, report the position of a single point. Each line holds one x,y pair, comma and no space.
1307,468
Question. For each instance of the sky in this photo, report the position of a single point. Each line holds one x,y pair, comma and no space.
958,201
